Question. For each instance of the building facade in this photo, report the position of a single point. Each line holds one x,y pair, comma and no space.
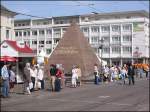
125,35
7,24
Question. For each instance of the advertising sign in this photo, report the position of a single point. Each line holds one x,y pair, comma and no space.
138,27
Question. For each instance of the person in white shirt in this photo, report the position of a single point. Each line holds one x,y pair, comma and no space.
74,76
122,76
33,72
40,76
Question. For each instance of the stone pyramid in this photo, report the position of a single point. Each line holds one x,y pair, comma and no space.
74,49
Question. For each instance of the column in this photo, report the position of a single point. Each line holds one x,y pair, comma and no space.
37,38
52,38
110,41
61,32
45,40
100,37
132,44
121,41
89,34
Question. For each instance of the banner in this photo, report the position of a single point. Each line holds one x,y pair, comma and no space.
138,27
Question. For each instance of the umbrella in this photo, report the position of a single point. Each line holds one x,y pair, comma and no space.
8,58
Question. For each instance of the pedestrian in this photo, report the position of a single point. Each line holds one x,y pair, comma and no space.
131,74
123,75
27,78
96,74
74,76
33,72
146,69
111,71
5,80
53,72
62,77
40,75
58,78
12,79
140,70
106,74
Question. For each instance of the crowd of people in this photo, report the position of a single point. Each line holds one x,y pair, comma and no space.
34,76
117,73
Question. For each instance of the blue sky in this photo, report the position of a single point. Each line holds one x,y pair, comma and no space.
67,8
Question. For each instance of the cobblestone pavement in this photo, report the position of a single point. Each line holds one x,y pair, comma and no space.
90,97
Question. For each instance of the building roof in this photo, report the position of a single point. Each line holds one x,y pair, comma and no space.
121,13
13,44
5,10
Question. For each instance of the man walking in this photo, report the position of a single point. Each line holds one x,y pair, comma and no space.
53,72
131,74
5,80
27,77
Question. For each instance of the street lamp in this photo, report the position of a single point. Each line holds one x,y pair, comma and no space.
137,52
101,47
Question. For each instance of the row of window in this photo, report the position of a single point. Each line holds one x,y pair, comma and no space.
41,32
115,28
125,49
42,42
126,38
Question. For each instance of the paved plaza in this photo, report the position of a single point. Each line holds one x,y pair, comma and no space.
88,97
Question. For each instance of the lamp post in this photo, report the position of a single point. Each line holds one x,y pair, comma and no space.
137,52
101,47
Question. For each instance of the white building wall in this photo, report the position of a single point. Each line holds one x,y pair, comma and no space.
138,38
7,23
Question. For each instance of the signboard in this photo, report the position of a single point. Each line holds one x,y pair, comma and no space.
67,50
138,27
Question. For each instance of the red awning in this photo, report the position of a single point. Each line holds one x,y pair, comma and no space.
8,58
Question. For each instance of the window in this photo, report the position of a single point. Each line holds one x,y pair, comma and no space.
95,29
106,49
20,33
28,33
56,41
57,32
85,29
49,31
115,28
48,51
106,39
41,32
116,39
127,27
126,49
127,38
7,34
41,42
116,50
48,42
45,22
34,42
64,30
34,33
16,34
94,39
24,33
105,28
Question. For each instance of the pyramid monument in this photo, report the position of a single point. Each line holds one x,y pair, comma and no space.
74,49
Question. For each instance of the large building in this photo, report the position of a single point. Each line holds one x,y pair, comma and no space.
124,36
6,24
